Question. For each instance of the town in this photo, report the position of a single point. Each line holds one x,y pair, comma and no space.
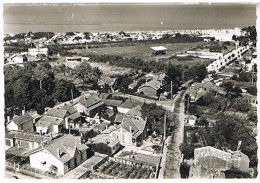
131,105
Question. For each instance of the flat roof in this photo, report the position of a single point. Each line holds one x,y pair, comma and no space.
158,48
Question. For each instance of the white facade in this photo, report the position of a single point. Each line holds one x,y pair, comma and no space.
37,51
12,126
43,160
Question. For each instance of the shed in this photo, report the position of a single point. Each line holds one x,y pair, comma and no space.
159,50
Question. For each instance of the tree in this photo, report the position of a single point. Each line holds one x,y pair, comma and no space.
241,104
202,122
155,117
228,86
187,150
63,90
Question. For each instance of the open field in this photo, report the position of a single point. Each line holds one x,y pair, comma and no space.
108,69
144,51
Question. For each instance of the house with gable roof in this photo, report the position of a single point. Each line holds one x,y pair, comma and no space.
151,88
52,121
21,123
60,155
90,105
132,131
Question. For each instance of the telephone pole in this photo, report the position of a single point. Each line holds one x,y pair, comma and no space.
171,90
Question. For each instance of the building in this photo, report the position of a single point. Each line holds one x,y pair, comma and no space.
21,123
60,155
37,51
76,59
89,106
209,162
159,50
107,80
128,105
191,120
132,131
152,88
105,144
25,140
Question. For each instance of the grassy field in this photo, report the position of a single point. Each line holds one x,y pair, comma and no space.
144,51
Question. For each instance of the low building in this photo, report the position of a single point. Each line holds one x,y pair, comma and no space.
21,123
29,140
105,144
191,120
159,50
152,88
132,131
89,106
128,105
209,162
38,51
60,155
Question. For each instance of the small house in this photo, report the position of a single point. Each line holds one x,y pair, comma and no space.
60,155
21,123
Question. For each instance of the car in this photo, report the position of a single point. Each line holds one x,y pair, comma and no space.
15,177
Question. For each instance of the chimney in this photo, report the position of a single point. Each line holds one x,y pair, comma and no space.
8,119
23,112
130,129
106,126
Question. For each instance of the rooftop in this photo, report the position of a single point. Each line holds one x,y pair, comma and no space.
22,119
159,48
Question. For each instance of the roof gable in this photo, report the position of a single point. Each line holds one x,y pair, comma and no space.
59,113
22,119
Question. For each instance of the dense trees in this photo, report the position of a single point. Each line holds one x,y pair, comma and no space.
197,73
34,86
155,117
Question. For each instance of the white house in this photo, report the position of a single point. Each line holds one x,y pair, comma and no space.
60,155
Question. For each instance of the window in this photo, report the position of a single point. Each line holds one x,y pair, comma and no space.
68,164
21,126
81,156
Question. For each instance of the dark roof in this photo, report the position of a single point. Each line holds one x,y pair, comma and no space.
102,126
59,113
31,137
155,84
119,117
50,119
69,108
136,124
74,116
66,145
9,135
136,111
131,103
110,102
91,101
22,119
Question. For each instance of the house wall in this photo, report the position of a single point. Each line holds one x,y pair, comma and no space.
9,142
78,161
124,138
37,158
241,162
80,108
26,126
12,126
41,130
148,91
123,110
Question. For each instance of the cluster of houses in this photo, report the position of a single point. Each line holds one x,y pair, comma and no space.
53,140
